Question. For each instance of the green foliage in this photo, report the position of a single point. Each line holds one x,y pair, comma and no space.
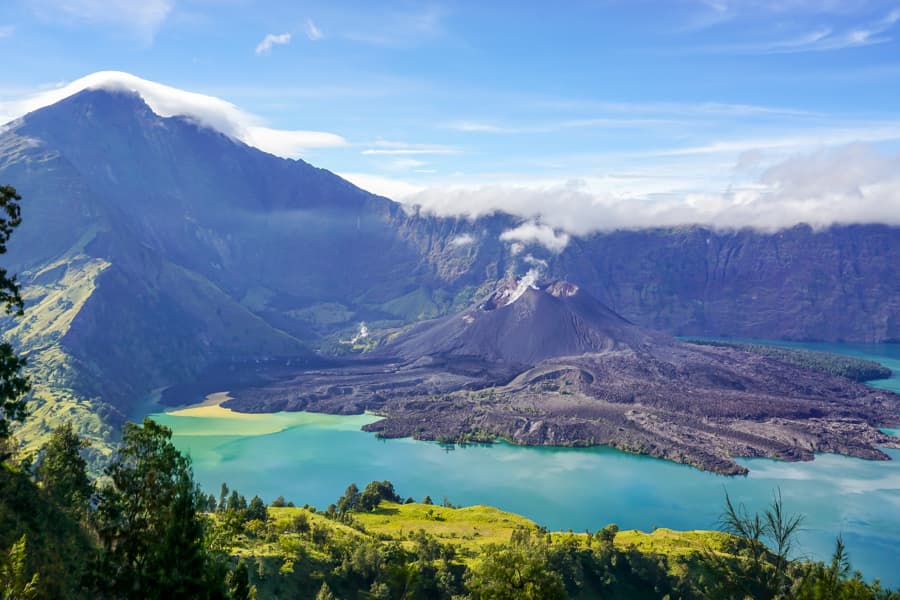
62,471
238,582
836,581
349,500
257,510
223,497
763,546
14,581
147,520
374,493
236,502
325,593
13,384
10,218
607,535
154,543
58,547
518,571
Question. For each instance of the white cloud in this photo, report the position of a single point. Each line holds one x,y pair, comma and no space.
6,31
143,16
479,127
537,233
855,183
312,31
385,148
167,101
394,189
462,240
405,164
822,39
288,143
272,39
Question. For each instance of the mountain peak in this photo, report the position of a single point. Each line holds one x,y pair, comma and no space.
524,323
529,284
205,111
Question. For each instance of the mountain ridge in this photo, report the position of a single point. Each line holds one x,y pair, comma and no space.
219,252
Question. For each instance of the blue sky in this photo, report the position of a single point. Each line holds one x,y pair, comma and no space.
657,107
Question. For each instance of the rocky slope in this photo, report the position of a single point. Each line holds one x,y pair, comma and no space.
547,364
836,284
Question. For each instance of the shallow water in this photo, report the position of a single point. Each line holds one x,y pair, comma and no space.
310,458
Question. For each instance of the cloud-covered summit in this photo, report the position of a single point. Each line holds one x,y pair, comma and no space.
167,101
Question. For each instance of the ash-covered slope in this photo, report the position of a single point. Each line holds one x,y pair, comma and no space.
523,324
547,364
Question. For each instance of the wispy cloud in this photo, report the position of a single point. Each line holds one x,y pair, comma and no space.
406,164
6,31
401,28
386,148
819,39
143,16
557,126
272,39
480,127
312,31
679,109
875,132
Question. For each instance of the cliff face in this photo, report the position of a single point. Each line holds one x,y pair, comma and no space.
840,284
836,284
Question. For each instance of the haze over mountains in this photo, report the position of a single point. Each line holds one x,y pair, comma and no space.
154,247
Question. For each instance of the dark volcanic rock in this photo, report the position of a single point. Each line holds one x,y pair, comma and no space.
523,325
547,364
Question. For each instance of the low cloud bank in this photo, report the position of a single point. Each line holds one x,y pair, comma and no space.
857,183
167,101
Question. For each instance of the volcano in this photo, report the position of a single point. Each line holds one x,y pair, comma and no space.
523,324
546,363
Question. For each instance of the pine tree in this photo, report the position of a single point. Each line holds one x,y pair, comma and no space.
62,471
148,522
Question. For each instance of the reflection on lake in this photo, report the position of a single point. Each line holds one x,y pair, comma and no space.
310,458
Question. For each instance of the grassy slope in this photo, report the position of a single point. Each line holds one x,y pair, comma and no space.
78,304
468,530
54,296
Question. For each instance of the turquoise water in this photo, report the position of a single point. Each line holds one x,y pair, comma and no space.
311,458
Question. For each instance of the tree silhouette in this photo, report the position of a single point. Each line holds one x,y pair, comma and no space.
13,384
